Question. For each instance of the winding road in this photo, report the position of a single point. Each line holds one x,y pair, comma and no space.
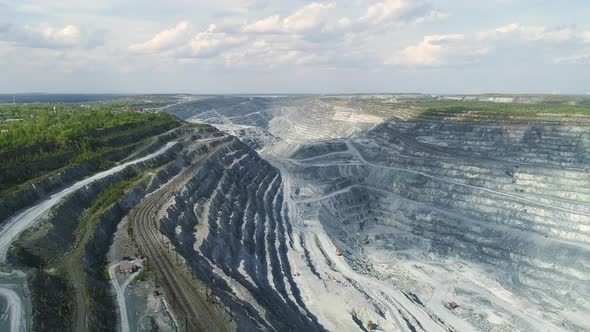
16,225
120,290
14,309
29,217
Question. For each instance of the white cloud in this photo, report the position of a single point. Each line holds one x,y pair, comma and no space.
269,24
309,34
582,58
436,50
569,38
401,11
46,36
164,39
344,23
518,31
210,43
68,35
272,53
355,37
431,16
306,18
312,35
178,42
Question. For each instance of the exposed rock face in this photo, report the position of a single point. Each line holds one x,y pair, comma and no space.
322,216
63,250
229,221
390,219
33,192
41,249
241,110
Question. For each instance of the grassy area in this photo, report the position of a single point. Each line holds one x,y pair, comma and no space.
108,197
39,139
450,107
434,107
69,283
72,264
91,217
68,125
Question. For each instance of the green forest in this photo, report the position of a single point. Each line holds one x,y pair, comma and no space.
25,125
441,107
566,106
37,139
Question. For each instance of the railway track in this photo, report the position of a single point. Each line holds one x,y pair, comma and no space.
189,303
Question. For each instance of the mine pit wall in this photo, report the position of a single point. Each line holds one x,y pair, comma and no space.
38,248
36,191
102,307
242,110
317,150
546,143
239,196
101,312
349,215
537,251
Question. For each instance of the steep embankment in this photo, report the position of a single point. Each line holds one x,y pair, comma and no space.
485,207
224,215
235,203
65,247
66,237
400,218
492,216
47,150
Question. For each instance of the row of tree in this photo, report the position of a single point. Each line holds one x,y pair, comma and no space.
26,125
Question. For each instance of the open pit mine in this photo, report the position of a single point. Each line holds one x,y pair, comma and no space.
309,213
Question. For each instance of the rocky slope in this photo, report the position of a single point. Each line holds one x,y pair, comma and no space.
61,244
330,214
396,213
229,222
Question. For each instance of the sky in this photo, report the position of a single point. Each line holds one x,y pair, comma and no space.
295,46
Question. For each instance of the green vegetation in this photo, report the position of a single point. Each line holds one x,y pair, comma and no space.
68,260
89,294
146,101
523,106
73,125
109,196
40,139
91,216
451,107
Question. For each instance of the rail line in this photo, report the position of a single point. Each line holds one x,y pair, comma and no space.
186,299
